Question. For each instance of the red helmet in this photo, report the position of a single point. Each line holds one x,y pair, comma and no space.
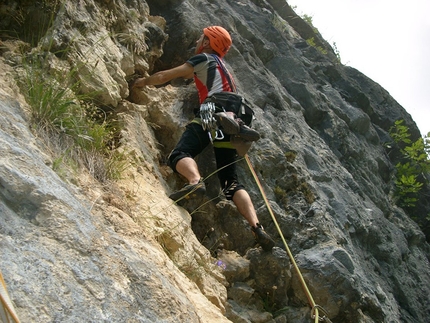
219,38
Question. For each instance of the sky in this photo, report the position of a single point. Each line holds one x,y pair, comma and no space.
387,40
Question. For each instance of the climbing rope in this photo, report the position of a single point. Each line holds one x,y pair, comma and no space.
315,308
7,312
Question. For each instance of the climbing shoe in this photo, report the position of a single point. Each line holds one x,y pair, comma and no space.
189,191
247,133
227,123
263,239
241,145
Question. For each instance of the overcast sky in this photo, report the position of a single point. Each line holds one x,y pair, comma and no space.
387,40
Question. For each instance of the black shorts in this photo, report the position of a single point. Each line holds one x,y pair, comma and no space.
192,143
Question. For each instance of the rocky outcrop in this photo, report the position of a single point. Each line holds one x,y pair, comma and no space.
74,249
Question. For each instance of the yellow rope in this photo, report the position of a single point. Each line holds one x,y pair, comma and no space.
315,308
6,311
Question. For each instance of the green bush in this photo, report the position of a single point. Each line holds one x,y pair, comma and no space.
311,42
70,123
412,171
54,106
88,134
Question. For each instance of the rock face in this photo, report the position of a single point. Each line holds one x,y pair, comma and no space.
75,250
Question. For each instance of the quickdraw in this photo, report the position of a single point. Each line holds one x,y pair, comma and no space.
209,123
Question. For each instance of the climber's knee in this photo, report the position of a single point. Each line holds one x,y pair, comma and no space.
174,157
231,189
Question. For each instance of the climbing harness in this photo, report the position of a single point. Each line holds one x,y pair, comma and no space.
233,100
315,308
227,102
208,108
7,311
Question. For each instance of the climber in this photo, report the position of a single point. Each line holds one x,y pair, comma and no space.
211,76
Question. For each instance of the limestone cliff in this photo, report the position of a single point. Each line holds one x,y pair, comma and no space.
77,249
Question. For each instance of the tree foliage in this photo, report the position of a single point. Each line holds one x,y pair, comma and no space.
413,169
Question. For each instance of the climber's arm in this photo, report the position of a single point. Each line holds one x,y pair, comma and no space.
185,70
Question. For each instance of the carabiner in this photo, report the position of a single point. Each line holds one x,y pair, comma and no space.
221,135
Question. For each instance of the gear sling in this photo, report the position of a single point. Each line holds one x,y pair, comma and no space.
231,101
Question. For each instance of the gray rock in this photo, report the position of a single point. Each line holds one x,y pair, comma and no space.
72,252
